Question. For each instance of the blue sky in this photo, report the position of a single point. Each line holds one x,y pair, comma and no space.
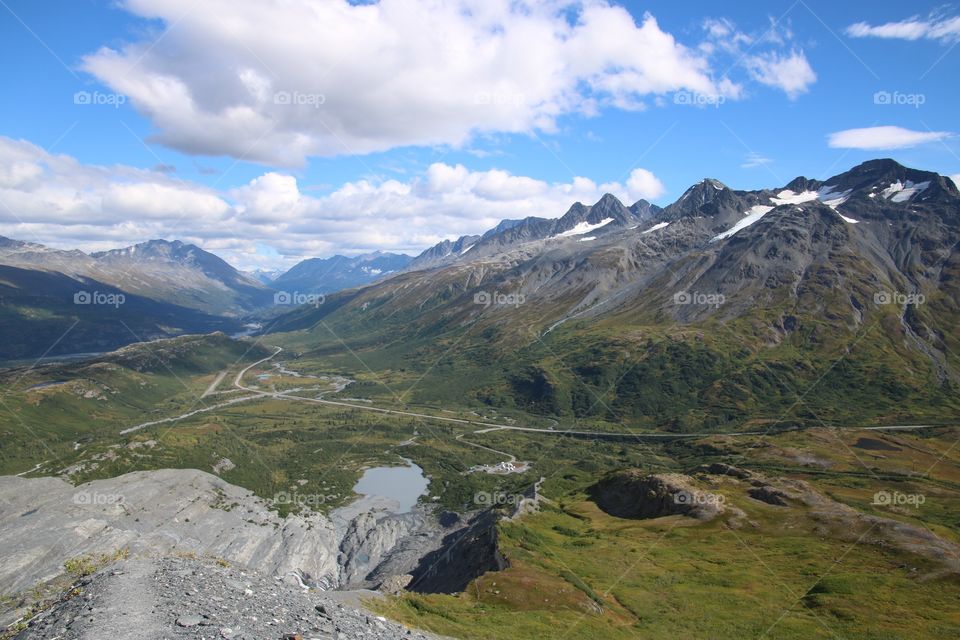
406,143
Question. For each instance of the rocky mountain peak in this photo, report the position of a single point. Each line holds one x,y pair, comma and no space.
643,210
693,201
888,179
609,206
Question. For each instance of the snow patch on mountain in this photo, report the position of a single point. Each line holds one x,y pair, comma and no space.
789,197
751,216
829,196
901,192
583,227
659,225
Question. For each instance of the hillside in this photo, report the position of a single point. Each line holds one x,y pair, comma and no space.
719,310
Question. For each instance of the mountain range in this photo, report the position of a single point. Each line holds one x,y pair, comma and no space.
780,364
167,288
738,282
802,267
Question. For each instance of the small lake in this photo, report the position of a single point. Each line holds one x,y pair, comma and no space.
400,486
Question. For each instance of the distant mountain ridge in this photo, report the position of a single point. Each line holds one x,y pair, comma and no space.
606,215
326,275
167,271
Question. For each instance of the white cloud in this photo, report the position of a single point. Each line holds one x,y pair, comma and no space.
643,184
755,160
887,137
762,54
277,81
47,188
944,29
956,179
790,73
55,200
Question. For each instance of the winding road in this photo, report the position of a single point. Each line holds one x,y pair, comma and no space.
487,427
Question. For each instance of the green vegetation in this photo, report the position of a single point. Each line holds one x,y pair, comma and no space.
83,566
573,567
770,572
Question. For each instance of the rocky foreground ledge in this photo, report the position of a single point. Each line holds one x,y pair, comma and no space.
182,597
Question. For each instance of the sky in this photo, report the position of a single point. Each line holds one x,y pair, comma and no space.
276,130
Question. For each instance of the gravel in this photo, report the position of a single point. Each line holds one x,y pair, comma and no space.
184,597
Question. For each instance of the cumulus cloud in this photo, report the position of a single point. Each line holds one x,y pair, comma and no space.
790,73
643,184
48,188
277,81
272,220
944,29
762,54
886,137
956,179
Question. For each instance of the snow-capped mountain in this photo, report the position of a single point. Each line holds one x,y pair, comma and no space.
781,259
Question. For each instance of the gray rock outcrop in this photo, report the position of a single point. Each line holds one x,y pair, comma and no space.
46,521
154,598
635,494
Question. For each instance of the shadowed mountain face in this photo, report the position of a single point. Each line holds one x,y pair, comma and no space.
41,309
63,302
734,279
168,272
